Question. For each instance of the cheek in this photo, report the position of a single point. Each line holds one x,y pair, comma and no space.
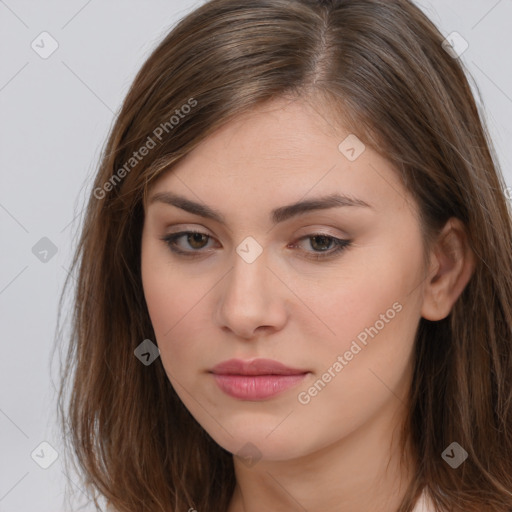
367,291
374,317
175,302
167,305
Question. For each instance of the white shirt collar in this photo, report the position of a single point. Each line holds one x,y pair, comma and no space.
424,504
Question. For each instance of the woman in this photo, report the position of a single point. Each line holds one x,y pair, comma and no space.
294,274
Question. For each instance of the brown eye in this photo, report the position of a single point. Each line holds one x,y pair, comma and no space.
321,242
191,244
323,246
197,240
188,243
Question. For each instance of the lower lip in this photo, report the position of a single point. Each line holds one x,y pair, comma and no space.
256,387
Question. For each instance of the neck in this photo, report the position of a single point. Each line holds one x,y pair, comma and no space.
361,472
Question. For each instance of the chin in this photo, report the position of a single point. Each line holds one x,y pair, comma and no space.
260,440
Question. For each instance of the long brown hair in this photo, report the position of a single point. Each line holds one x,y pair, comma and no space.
380,65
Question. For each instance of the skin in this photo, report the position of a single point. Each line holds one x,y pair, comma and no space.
340,450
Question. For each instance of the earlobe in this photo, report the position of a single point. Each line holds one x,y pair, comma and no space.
453,263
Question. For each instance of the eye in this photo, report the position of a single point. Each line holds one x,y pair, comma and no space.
195,240
324,246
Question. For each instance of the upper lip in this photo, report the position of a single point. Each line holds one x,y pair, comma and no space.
254,367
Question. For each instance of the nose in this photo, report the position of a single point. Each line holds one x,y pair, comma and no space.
251,299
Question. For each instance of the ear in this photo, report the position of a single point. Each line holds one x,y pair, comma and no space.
452,264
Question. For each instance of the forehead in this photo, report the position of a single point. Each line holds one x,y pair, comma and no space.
285,149
280,132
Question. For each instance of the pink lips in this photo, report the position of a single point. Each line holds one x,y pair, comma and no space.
255,380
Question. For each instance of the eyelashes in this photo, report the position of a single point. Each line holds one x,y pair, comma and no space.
195,238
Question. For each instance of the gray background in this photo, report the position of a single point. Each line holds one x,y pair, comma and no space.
55,115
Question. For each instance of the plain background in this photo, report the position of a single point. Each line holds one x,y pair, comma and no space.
55,115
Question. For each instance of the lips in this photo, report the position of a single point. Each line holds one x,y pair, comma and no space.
257,379
255,367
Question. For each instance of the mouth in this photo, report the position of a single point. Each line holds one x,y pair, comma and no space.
255,380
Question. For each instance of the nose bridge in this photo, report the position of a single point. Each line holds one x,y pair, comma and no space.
248,278
248,298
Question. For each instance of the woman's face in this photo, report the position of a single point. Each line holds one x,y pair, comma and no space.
265,279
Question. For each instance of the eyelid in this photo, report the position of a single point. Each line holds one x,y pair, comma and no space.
322,229
339,245
319,229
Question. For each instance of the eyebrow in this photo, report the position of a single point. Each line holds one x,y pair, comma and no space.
277,215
